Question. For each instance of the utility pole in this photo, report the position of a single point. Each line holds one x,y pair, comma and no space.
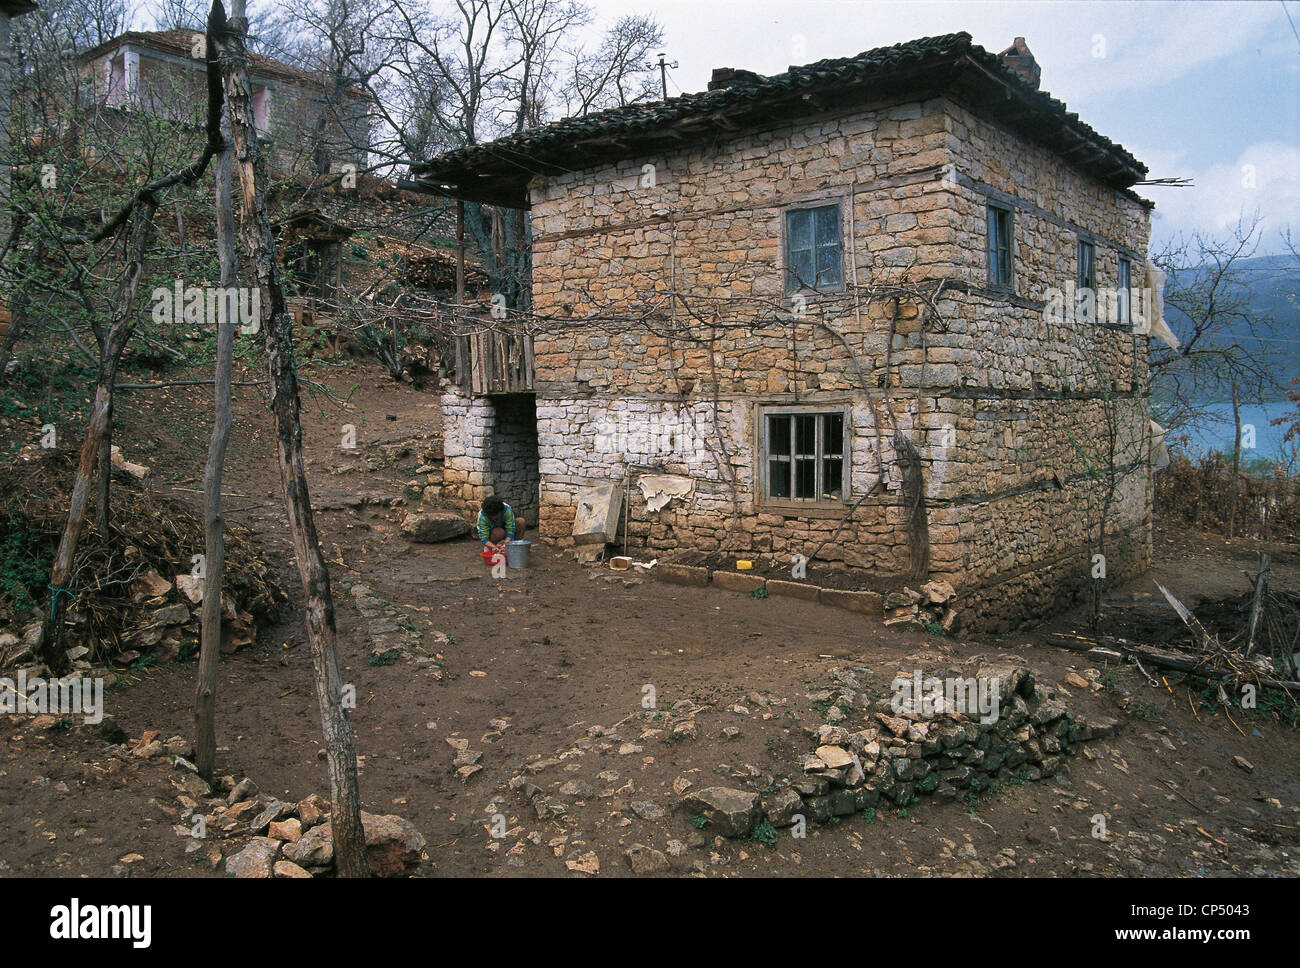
663,66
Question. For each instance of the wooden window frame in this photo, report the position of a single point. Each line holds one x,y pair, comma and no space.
1003,213
762,478
1090,281
1125,278
838,202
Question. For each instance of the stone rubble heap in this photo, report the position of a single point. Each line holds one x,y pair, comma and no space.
933,604
293,840
296,839
895,757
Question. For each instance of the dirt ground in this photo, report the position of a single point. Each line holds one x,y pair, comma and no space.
544,673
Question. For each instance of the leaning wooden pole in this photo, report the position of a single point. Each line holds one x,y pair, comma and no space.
460,254
214,540
277,324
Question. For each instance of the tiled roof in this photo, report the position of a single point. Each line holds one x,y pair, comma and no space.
180,42
16,8
499,171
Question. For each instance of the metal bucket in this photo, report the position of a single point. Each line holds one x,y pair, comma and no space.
517,553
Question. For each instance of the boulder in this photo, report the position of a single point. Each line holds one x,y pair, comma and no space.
313,810
393,845
782,806
242,810
289,829
939,592
171,615
275,811
255,860
730,812
315,849
245,789
191,586
834,757
430,527
33,638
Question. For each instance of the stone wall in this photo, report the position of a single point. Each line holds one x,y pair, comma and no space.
1007,406
490,447
514,454
467,424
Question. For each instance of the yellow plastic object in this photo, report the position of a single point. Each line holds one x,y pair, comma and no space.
744,565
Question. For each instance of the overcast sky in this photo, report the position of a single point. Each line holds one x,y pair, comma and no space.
1197,90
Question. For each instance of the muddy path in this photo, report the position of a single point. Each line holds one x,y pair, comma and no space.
544,676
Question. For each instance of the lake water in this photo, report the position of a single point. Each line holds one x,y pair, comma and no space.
1219,434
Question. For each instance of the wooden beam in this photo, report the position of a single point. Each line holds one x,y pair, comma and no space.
460,252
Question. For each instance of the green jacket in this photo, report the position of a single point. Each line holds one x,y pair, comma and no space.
506,521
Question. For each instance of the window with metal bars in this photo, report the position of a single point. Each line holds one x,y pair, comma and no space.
804,455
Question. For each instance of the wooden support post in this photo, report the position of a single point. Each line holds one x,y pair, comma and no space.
1261,586
460,253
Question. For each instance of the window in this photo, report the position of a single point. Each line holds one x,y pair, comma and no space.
1125,281
1087,265
1000,245
804,455
813,248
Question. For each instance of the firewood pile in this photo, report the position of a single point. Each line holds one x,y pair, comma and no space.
136,597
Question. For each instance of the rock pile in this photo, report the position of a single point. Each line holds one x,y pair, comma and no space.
297,840
288,839
929,606
902,750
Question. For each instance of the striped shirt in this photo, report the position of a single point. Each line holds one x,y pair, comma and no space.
506,521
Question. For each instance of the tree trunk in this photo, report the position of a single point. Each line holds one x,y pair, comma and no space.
214,548
118,332
349,838
21,296
1236,462
104,472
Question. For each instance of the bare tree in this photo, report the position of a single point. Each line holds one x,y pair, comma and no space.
277,324
1223,341
74,25
135,220
616,73
214,551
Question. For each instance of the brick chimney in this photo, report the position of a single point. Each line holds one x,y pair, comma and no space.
1019,59
729,76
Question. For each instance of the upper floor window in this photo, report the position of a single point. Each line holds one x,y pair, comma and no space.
813,248
1087,277
1000,245
1125,282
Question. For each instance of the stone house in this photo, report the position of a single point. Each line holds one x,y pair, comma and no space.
814,313
304,122
333,232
